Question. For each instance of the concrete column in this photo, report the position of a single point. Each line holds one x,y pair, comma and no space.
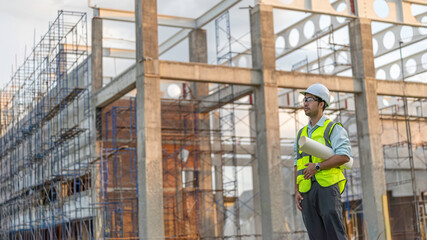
149,150
97,76
96,146
368,127
96,193
198,53
267,124
255,179
198,46
219,183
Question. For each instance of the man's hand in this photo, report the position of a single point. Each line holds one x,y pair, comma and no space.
298,199
310,170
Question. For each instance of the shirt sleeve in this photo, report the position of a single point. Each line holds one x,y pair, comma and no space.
340,141
295,153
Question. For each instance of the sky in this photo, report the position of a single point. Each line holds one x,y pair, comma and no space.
20,21
25,21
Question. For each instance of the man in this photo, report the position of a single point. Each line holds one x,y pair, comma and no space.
320,182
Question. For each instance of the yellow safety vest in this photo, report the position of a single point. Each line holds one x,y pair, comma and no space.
326,177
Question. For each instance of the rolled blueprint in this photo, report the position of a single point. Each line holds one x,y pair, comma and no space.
319,150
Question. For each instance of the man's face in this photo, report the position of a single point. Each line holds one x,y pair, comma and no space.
311,108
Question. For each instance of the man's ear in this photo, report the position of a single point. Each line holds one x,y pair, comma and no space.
323,104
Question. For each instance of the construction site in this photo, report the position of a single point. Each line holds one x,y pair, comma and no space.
157,119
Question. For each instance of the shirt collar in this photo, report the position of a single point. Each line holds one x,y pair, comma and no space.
319,123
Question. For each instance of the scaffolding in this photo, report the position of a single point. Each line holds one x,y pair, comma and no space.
405,162
196,144
118,172
44,147
51,187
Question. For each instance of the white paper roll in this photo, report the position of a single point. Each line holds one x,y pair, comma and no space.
316,149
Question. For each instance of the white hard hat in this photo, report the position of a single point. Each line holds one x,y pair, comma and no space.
319,90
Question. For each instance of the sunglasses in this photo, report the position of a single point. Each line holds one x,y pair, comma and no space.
310,99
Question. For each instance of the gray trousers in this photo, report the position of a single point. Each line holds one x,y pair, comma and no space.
322,213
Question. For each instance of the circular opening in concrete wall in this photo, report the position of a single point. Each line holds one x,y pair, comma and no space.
242,62
424,60
280,44
411,66
381,8
380,74
329,65
341,7
395,71
294,37
374,46
406,34
308,29
174,91
389,40
324,21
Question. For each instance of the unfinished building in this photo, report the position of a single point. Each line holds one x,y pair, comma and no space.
178,122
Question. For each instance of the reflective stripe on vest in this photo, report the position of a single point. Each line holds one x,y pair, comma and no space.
326,177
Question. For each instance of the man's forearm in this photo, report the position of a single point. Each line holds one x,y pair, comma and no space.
295,178
334,161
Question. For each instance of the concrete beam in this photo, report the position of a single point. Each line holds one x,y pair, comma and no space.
378,36
304,41
398,88
199,72
368,127
117,88
178,22
171,21
317,33
400,12
296,80
106,52
312,6
396,32
193,72
409,71
173,41
129,16
118,53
